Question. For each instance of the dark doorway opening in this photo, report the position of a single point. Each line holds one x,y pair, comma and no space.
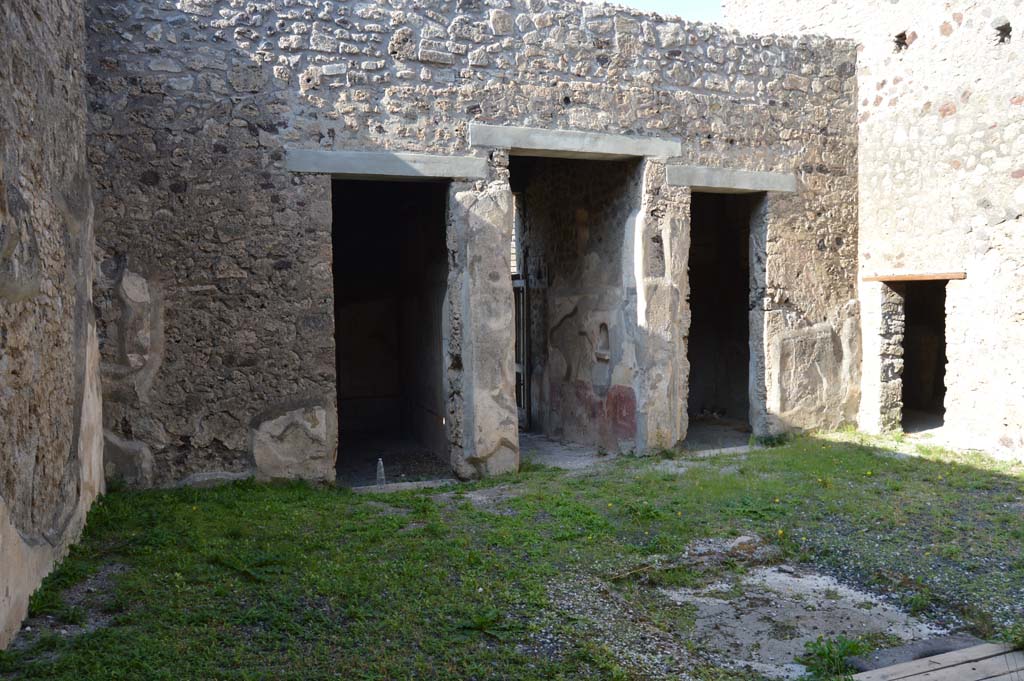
924,354
390,281
718,346
575,344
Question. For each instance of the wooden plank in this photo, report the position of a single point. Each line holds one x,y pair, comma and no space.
928,664
989,668
1012,676
936,276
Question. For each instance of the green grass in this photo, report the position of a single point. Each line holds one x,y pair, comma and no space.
255,581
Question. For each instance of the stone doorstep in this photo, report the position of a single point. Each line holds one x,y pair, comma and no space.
403,486
718,451
912,651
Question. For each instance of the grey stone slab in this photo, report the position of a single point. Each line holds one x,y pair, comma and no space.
570,143
729,181
404,486
385,164
214,478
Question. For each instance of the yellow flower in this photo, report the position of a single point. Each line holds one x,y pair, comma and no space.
868,474
781,533
776,500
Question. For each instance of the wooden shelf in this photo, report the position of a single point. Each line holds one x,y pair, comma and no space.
939,276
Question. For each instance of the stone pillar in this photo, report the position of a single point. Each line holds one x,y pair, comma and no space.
764,323
659,253
482,422
883,320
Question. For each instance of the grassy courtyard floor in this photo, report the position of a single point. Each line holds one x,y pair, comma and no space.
498,579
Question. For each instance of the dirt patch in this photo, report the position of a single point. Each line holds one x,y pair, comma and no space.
748,548
676,466
490,499
89,601
569,456
623,630
726,603
761,620
387,509
413,526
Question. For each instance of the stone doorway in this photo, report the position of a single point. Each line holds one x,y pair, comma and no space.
390,287
923,390
718,345
575,301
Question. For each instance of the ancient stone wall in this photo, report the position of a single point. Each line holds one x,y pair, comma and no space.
50,433
215,298
941,109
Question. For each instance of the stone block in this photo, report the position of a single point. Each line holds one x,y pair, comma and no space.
401,45
435,52
729,180
570,143
382,164
247,77
299,444
126,462
501,22
808,377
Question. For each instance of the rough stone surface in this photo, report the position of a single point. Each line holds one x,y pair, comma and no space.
762,622
884,321
576,235
193,106
126,462
298,444
50,434
941,190
482,417
569,456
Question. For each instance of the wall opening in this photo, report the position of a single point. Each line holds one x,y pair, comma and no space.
924,354
390,280
575,309
1004,31
718,345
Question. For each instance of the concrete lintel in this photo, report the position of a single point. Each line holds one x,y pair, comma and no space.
570,143
728,181
385,164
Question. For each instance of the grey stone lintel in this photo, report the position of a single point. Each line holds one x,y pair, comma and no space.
570,143
727,181
384,164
